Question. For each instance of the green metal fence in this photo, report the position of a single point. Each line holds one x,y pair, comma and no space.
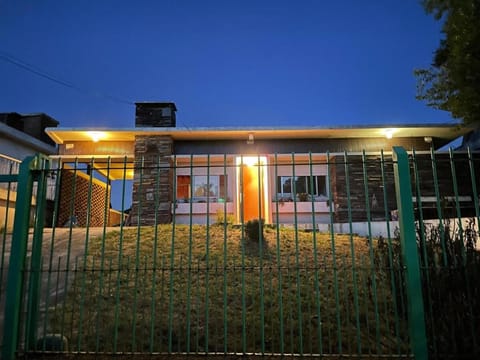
359,255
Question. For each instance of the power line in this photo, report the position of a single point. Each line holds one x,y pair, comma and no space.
35,70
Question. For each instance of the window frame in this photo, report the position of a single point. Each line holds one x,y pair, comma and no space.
318,194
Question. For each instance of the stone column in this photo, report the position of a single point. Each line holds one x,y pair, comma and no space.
153,181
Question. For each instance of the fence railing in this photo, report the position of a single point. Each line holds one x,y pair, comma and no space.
286,254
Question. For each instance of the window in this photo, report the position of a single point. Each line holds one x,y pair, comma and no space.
212,188
287,186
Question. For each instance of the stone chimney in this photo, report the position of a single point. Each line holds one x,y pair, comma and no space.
153,180
155,114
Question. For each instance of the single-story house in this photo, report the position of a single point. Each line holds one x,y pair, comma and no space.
278,174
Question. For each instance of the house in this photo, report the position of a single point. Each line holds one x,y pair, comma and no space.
21,135
282,175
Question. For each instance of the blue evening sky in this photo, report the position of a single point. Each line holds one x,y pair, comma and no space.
224,63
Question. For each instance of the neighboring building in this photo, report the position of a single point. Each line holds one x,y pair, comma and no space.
24,134
254,172
21,135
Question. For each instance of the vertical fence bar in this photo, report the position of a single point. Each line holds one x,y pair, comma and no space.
90,168
370,249
390,251
297,260
439,207
334,257
36,258
278,259
243,239
102,256
457,206
261,244
172,262
71,223
190,248
207,259
57,173
406,219
118,281
315,256
352,252
225,267
155,258
14,290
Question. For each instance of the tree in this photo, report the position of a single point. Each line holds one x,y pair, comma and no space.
452,83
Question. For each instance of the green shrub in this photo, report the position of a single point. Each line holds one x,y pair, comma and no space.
223,218
254,230
450,269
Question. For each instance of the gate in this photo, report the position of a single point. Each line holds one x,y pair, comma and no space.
343,268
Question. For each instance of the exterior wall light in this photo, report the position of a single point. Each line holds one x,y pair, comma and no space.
96,136
389,133
251,139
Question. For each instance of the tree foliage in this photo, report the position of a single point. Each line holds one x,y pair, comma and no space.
452,82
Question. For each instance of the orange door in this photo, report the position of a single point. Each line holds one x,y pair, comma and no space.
252,192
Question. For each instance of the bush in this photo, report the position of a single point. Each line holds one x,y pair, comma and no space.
254,230
223,218
450,270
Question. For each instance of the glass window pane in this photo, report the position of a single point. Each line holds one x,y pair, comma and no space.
286,184
301,184
322,185
204,186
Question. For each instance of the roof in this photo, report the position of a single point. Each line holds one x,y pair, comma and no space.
28,140
447,132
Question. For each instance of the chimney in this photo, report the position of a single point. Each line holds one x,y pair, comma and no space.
155,114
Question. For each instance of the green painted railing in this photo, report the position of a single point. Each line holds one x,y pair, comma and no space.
337,254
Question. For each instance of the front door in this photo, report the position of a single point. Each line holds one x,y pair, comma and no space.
252,188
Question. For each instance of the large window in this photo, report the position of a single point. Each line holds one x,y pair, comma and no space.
301,188
201,188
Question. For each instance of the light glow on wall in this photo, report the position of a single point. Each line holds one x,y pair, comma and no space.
389,133
96,136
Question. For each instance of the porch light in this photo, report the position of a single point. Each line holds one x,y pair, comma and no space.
389,133
251,139
96,136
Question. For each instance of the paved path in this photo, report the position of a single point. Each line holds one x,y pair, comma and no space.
61,238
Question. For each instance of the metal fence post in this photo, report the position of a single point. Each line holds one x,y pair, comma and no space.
416,316
36,257
14,290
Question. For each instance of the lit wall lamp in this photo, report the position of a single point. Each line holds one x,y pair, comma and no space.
250,139
428,139
389,133
96,136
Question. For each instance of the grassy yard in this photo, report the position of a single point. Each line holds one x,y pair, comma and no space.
199,289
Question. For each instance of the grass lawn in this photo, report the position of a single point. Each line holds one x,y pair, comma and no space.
204,289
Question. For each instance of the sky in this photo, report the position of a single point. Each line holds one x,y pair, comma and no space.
223,62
